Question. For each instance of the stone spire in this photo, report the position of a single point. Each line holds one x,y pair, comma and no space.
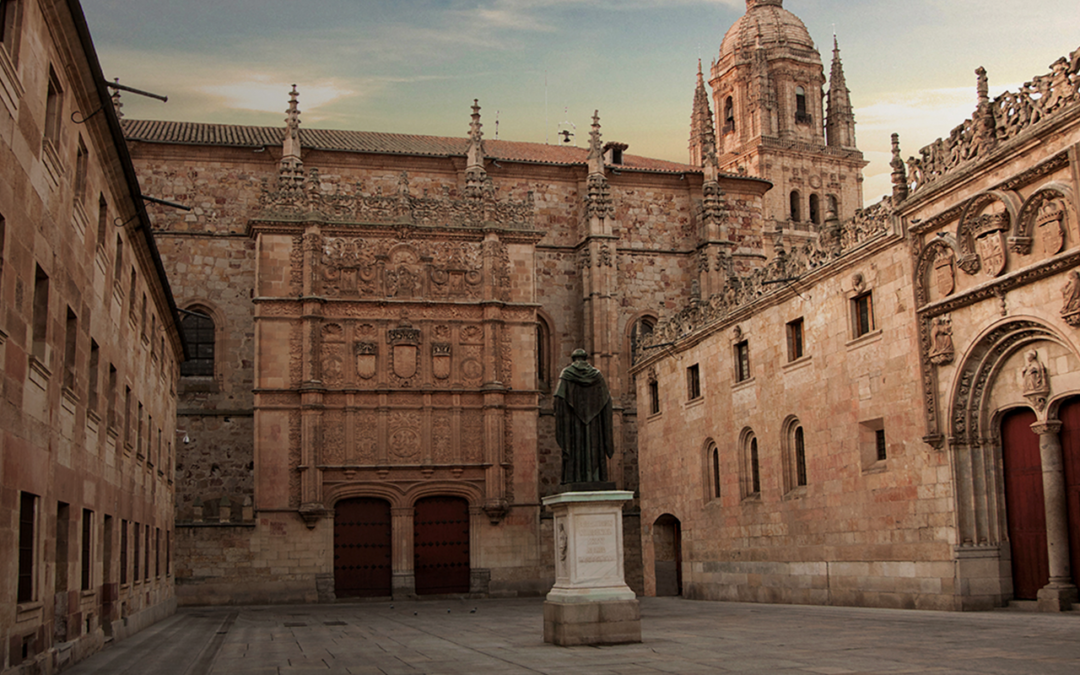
477,182
291,167
985,124
839,118
702,129
899,172
750,4
596,148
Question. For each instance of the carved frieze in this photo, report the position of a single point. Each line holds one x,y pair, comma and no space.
393,268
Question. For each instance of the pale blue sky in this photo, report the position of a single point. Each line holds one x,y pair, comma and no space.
414,66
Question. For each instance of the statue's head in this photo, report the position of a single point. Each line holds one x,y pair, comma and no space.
579,355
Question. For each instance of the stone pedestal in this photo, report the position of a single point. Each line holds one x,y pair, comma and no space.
590,603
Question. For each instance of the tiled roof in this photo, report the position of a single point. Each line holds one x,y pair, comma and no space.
190,133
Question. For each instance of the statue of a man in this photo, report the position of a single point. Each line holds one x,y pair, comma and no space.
583,422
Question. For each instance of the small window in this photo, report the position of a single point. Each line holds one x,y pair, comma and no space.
82,161
795,203
834,206
41,313
63,533
137,538
654,396
103,222
755,468
123,552
815,209
146,554
742,361
71,336
879,445
714,465
729,116
27,546
112,397
118,263
54,104
92,377
131,294
693,382
873,445
800,457
795,340
863,310
802,116
128,413
198,330
8,18
86,558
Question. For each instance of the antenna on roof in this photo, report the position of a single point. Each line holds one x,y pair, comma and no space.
547,121
496,125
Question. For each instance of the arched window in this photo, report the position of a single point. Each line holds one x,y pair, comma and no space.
750,465
729,116
543,355
796,211
801,115
641,331
715,459
793,440
800,457
815,209
198,329
834,206
755,468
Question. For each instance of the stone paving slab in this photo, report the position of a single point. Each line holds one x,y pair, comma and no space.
505,637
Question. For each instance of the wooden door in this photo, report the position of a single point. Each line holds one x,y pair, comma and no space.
667,555
362,562
441,545
1070,448
1024,504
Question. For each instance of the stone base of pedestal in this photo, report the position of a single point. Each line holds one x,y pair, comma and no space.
1057,598
612,622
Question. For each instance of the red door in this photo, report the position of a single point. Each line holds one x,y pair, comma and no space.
1070,447
441,545
362,564
1024,504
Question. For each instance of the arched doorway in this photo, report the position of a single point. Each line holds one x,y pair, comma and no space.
362,556
1069,414
667,553
1024,504
441,545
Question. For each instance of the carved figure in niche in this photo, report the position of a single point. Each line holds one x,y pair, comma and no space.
1036,380
1070,296
945,273
583,423
941,343
1051,219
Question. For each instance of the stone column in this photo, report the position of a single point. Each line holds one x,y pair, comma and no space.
403,581
1060,593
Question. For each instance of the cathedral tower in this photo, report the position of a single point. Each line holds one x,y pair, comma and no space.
769,100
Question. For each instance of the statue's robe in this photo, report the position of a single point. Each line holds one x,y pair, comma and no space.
583,426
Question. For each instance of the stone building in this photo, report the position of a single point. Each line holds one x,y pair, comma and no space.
90,352
889,413
379,322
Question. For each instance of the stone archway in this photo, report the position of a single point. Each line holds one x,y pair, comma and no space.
667,551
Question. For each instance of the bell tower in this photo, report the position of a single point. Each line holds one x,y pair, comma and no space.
768,91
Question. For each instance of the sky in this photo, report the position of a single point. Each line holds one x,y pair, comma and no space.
538,66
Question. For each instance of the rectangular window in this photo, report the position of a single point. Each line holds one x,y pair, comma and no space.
102,222
118,261
693,382
71,335
54,104
654,397
142,316
123,552
112,396
139,432
873,450
742,361
41,314
127,416
879,444
92,377
146,554
63,527
107,550
27,546
8,20
138,549
157,552
795,340
87,549
168,553
863,308
82,163
131,295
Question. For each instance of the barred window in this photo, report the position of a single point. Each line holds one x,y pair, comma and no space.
199,332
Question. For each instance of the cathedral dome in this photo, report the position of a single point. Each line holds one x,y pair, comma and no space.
769,22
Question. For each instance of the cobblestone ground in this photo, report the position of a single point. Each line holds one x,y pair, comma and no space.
506,637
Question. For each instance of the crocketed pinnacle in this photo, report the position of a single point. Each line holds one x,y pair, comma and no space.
840,118
702,129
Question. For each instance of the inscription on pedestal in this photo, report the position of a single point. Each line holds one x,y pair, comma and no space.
595,547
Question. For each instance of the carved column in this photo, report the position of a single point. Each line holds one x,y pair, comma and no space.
401,552
1060,593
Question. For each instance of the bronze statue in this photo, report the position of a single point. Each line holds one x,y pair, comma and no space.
583,426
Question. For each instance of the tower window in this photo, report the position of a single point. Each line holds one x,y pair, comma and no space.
199,333
796,210
801,116
729,116
815,209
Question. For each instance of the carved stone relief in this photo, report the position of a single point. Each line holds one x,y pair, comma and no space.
405,436
367,359
942,351
366,439
359,267
472,436
1070,296
1051,224
441,442
989,232
440,360
945,272
333,438
405,345
1036,380
332,364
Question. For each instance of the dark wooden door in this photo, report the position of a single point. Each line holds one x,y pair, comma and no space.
1070,447
1024,504
441,545
362,563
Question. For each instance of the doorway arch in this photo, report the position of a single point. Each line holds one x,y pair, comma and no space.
667,553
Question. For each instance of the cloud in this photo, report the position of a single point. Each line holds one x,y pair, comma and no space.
262,92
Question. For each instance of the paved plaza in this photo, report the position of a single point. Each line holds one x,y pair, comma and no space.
506,637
